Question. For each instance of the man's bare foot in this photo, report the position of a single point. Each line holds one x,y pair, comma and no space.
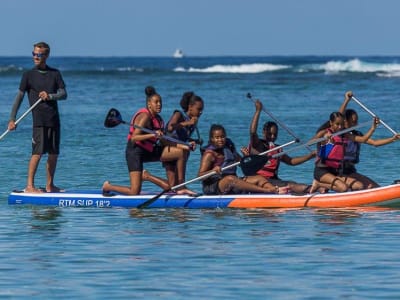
54,189
32,189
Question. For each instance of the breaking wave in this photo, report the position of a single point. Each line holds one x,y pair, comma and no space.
360,66
243,68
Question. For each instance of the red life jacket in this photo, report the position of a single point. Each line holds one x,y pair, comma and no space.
332,153
270,169
157,123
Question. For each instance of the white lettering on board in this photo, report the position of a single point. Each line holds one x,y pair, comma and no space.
83,203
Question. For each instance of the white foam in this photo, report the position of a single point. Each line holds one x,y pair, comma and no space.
243,68
10,68
359,66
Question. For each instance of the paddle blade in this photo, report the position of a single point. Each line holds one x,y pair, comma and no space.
252,163
148,202
113,118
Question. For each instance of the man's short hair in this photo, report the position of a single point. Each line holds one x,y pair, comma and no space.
43,45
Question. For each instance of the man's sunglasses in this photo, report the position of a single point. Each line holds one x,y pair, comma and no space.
38,55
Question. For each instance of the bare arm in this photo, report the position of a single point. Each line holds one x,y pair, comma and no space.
382,142
347,98
294,161
173,122
142,120
364,138
254,140
206,165
318,135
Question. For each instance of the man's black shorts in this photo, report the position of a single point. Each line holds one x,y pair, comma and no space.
46,140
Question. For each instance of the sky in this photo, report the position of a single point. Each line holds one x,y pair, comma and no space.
201,27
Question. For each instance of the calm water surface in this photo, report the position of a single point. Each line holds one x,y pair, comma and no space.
48,253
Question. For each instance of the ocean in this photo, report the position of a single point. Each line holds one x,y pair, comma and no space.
91,253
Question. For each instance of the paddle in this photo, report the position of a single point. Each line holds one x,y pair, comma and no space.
249,164
276,120
254,163
251,167
114,118
372,114
199,140
21,117
315,141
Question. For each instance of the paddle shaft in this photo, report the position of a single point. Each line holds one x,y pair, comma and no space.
276,120
21,117
166,137
315,141
151,200
372,114
309,143
204,176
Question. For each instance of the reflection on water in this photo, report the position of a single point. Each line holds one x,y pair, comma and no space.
342,216
163,215
187,215
262,250
332,216
46,219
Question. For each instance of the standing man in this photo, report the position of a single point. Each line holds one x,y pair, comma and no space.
45,83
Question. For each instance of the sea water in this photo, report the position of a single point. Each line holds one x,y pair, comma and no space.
91,253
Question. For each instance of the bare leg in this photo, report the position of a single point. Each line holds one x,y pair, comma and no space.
32,168
177,156
335,183
170,170
353,184
161,182
133,189
146,176
51,170
176,172
318,186
368,182
254,184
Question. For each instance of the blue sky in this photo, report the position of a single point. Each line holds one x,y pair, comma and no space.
202,27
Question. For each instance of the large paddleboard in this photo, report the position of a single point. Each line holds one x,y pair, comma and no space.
382,196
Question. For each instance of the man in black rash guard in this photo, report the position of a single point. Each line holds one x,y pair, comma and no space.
45,83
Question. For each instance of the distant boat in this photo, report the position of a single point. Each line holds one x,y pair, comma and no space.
178,53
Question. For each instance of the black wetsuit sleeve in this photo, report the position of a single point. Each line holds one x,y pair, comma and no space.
17,103
60,95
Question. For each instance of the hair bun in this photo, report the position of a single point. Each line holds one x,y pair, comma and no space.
149,90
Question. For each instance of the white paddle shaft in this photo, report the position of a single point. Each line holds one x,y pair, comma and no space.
372,114
21,117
